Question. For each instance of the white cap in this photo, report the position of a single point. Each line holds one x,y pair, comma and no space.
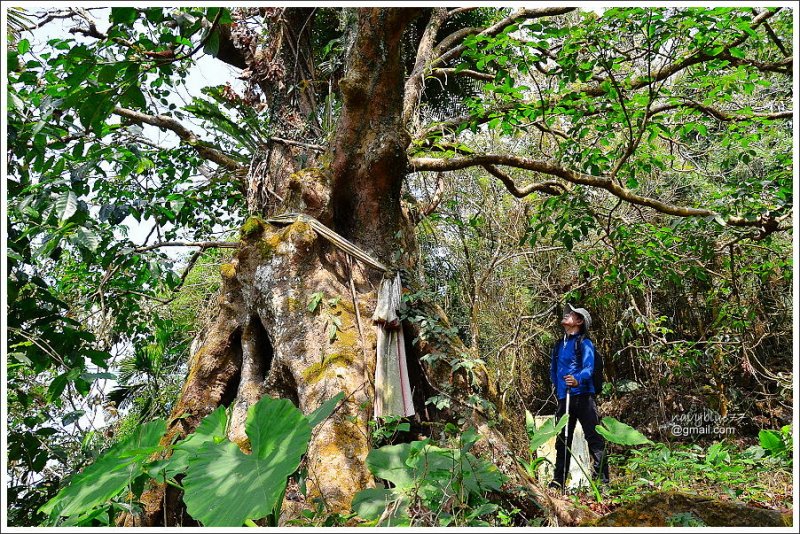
583,312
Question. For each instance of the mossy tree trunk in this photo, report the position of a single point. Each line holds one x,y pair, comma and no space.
265,340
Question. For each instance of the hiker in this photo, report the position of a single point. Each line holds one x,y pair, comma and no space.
571,372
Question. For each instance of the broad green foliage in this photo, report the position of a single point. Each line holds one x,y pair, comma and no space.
451,483
211,429
620,433
225,487
79,178
110,474
222,487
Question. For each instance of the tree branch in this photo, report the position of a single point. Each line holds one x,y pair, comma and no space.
784,66
523,13
773,36
544,167
202,244
459,10
414,83
187,136
719,114
485,76
549,187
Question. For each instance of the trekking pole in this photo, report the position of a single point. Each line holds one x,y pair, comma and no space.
566,445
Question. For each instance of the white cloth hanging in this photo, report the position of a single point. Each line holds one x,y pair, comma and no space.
392,387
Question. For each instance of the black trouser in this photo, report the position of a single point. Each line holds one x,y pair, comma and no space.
581,408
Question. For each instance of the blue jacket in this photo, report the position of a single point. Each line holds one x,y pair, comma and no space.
564,361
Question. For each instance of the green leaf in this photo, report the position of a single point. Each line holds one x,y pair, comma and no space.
224,486
23,46
530,424
212,44
124,15
210,429
736,52
86,238
434,474
95,109
98,376
407,464
332,331
57,387
314,301
771,441
326,409
109,474
546,432
620,433
389,463
133,98
66,205
72,417
370,504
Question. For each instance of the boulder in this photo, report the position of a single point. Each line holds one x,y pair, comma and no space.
665,509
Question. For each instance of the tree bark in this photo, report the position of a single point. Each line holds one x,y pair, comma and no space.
369,154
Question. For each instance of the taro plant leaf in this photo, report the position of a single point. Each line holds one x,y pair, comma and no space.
225,487
325,410
620,433
389,463
109,474
211,428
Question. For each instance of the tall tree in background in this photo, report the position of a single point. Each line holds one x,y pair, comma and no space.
340,107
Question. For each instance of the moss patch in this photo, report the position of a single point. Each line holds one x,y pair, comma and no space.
314,373
227,270
308,175
252,227
299,232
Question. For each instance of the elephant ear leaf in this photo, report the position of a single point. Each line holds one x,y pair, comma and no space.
211,428
224,487
112,472
620,433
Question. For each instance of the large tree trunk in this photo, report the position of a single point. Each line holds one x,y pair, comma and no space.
266,341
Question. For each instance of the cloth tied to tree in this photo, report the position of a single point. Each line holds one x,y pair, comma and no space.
392,387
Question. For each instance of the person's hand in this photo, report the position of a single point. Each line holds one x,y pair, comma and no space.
570,380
